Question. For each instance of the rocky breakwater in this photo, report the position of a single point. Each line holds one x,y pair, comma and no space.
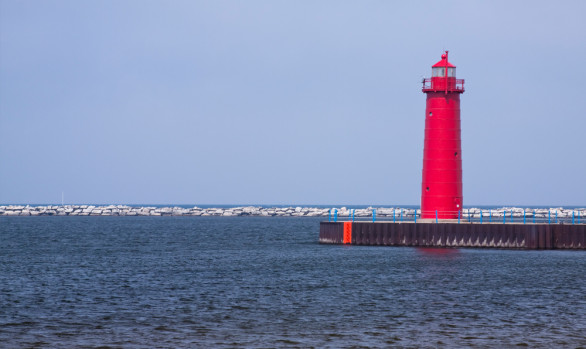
259,211
123,210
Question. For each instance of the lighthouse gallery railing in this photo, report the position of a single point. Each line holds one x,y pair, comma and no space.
440,84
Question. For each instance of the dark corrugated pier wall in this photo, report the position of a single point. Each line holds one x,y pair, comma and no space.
331,232
495,235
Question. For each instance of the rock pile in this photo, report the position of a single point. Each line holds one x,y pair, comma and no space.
123,210
259,211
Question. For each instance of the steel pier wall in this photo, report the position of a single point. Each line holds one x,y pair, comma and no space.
331,232
491,235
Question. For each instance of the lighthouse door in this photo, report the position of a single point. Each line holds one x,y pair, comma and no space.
458,203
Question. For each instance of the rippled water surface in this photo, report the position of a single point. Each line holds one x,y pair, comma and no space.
181,282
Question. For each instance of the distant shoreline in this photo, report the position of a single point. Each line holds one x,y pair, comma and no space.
260,211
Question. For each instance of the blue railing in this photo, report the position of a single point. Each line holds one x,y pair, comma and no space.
480,216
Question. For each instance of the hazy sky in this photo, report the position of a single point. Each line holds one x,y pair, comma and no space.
285,102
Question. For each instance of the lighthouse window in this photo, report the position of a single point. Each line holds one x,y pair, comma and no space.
438,72
441,72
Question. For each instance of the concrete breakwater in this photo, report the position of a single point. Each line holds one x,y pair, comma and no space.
382,213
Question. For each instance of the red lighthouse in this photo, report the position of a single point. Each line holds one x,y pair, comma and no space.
441,187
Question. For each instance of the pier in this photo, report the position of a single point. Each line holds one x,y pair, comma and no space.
532,236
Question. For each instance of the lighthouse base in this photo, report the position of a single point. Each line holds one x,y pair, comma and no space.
454,235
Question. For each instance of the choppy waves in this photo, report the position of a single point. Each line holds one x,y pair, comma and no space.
260,282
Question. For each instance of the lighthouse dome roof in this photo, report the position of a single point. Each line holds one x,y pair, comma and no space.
443,63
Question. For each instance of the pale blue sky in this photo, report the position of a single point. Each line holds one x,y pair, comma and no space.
285,102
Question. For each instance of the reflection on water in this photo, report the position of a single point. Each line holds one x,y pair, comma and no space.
266,282
438,252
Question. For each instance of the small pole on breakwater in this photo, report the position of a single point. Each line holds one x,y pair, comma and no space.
548,217
353,211
480,216
401,215
572,217
524,217
511,216
393,215
504,216
533,216
436,216
556,216
373,215
335,215
469,220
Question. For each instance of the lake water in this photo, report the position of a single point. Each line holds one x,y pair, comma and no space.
184,282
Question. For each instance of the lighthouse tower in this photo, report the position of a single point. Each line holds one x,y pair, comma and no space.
441,186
